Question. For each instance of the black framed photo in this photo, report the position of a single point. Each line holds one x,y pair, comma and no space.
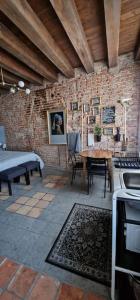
95,100
91,120
96,110
74,106
108,115
57,126
108,131
86,108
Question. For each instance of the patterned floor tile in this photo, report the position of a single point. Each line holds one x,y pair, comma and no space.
13,207
42,204
35,212
23,210
48,197
32,202
22,200
50,185
38,195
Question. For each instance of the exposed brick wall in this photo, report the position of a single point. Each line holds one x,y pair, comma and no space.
25,117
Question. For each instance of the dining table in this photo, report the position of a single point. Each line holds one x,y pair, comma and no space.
101,153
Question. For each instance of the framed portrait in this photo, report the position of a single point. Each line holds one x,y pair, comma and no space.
86,108
95,100
96,110
74,106
108,115
91,120
108,131
57,126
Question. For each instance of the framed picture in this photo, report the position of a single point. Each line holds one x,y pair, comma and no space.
74,106
96,110
57,126
95,100
108,131
91,120
108,115
86,108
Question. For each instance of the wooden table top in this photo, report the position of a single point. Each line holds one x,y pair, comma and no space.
97,153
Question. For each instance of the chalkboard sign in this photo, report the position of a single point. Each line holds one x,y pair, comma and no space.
108,115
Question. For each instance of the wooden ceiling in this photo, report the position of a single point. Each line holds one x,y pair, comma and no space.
40,38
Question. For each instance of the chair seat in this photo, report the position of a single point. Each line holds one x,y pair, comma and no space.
12,173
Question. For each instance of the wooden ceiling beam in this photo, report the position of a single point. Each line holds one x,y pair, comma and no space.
112,9
14,66
13,45
23,16
137,53
11,78
67,13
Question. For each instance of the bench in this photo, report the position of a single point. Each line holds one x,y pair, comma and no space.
13,173
30,166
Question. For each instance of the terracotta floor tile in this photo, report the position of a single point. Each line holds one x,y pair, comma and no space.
92,296
48,197
13,207
35,212
46,288
1,259
22,200
23,210
68,292
42,204
50,185
7,270
22,283
32,201
38,195
59,185
4,197
8,296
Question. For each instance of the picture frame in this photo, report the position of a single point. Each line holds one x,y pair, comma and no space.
108,115
86,108
108,131
95,100
96,110
91,120
57,126
74,106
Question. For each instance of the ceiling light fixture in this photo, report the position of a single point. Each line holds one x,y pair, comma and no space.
13,86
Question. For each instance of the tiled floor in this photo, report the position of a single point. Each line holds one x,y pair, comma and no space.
30,221
19,282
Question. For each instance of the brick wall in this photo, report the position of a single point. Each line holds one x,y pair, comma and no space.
25,117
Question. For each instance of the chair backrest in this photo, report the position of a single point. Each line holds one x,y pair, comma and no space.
97,165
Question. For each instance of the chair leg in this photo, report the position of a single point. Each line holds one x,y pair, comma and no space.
9,188
27,178
105,187
88,186
40,171
72,176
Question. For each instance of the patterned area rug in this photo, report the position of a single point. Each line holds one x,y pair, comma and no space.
84,244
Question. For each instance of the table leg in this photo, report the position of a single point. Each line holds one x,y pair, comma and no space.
84,172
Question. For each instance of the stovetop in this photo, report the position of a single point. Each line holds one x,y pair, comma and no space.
128,163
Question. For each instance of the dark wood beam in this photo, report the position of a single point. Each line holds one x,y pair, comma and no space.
137,53
9,63
67,13
21,14
13,45
112,10
11,78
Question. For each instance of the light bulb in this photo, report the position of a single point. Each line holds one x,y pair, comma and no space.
12,90
21,84
27,91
